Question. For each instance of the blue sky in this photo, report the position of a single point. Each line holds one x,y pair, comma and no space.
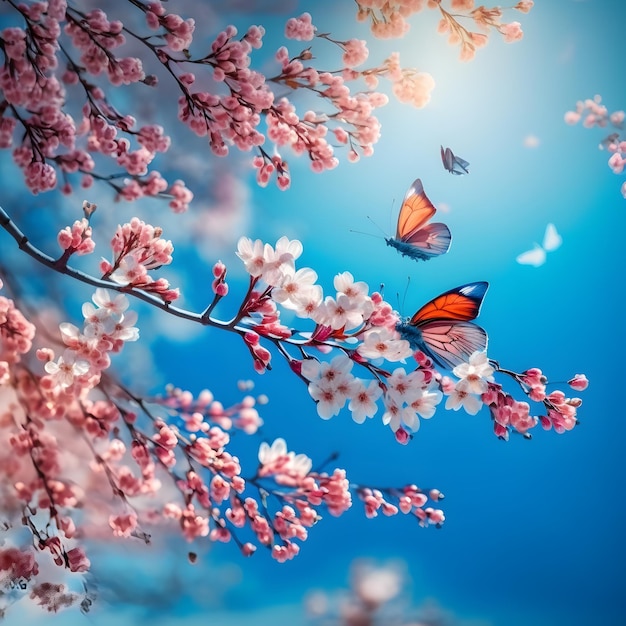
534,529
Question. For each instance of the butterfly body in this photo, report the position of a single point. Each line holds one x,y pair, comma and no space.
421,252
443,329
452,163
416,238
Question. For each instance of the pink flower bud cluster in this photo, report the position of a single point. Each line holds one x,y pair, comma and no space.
219,284
261,356
231,118
94,36
353,121
138,248
179,31
16,564
509,415
593,113
355,52
300,28
108,326
389,20
16,336
199,414
409,500
561,412
408,85
77,239
266,166
37,101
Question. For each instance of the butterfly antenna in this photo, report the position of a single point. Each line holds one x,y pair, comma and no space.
401,304
377,226
360,232
391,229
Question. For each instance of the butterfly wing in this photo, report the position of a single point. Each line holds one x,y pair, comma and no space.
551,240
415,211
452,163
447,158
449,343
414,237
534,257
442,328
431,240
460,166
459,304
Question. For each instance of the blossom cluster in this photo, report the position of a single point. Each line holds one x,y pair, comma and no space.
389,19
60,48
42,407
16,336
107,327
362,330
138,248
69,430
62,53
593,113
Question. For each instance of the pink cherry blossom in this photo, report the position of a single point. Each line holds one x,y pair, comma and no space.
123,525
426,403
382,343
77,559
300,28
594,114
460,398
66,368
363,401
475,374
355,52
511,32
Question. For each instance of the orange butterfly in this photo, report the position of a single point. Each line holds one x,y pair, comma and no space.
442,328
414,237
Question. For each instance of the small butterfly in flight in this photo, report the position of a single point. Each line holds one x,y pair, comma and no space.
537,256
414,237
454,164
443,329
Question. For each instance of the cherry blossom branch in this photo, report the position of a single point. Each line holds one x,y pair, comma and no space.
197,432
593,113
86,42
361,330
388,19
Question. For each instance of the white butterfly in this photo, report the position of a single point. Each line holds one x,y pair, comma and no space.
537,256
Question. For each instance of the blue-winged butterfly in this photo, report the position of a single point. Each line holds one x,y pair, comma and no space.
454,164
